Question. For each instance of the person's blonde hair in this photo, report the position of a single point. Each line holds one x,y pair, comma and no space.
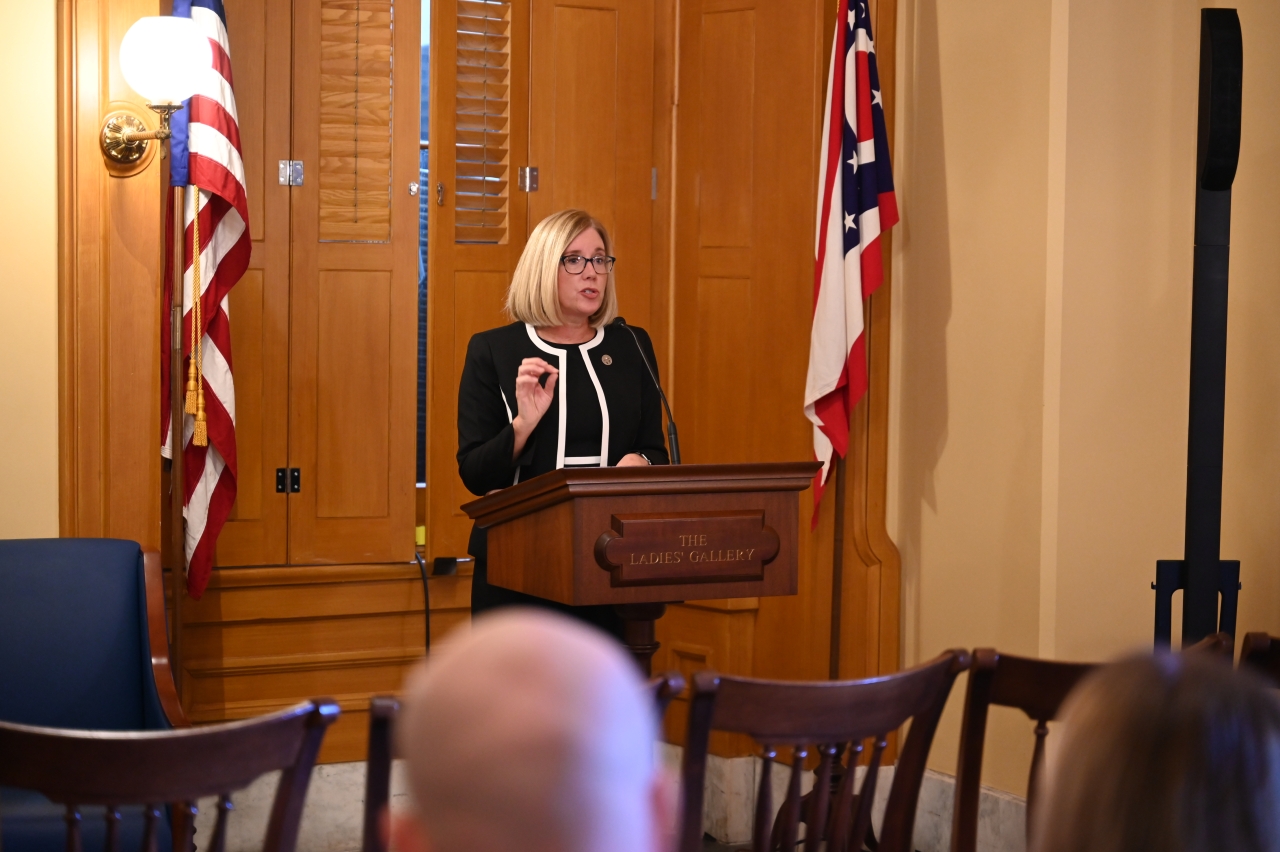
1171,752
534,296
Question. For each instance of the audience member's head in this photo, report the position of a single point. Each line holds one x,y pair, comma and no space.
1177,753
530,732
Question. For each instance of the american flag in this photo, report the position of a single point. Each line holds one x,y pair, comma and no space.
206,161
856,204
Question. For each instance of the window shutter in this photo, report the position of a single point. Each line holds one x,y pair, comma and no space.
482,120
355,120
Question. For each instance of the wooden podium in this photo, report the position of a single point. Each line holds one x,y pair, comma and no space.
642,537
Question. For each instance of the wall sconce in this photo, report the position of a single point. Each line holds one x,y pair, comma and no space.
162,58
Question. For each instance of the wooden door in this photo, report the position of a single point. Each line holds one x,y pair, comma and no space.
354,289
591,127
479,221
256,532
744,231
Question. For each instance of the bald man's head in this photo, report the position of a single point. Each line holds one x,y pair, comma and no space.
531,732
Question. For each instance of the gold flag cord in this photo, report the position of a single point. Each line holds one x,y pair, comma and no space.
189,405
195,374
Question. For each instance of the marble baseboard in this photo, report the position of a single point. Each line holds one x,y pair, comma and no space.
731,794
1001,817
333,820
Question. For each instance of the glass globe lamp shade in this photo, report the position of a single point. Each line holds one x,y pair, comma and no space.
164,58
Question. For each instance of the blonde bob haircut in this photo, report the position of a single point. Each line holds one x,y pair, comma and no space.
534,295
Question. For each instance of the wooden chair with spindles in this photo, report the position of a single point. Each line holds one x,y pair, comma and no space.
1261,653
833,720
110,769
1037,688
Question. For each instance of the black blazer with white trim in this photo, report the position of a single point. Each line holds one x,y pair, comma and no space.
630,407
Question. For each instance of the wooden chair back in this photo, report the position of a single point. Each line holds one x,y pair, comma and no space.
383,710
113,768
834,720
1261,653
666,687
1037,688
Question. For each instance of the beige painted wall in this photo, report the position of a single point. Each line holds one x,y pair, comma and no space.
1041,343
29,275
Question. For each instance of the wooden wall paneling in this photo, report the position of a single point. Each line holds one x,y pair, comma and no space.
890,644
591,127
256,533
870,629
793,634
478,226
715,634
264,638
110,292
749,95
661,294
354,282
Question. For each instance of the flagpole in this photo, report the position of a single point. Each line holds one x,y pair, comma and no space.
176,485
837,566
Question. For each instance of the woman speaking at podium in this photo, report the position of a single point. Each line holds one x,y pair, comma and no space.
561,386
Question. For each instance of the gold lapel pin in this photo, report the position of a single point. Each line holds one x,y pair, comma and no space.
606,360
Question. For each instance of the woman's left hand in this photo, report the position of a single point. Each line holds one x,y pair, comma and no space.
632,460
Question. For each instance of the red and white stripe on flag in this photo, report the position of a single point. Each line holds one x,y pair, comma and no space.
217,189
856,203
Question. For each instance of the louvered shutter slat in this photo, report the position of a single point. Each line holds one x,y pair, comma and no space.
481,111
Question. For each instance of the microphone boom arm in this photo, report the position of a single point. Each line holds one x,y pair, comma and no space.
672,440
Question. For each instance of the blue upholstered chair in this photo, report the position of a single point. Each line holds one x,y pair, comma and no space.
83,645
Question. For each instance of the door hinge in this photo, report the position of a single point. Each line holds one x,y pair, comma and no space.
291,173
528,178
413,189
288,480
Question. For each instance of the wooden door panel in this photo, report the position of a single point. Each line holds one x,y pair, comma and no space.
479,137
354,295
726,127
256,531
716,147
353,380
743,232
477,305
591,127
722,340
247,348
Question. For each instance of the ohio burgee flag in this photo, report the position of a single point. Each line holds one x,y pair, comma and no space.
855,205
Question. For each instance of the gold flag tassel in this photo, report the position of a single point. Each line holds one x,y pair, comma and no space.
189,405
195,376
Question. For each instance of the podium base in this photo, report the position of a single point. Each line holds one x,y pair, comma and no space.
638,632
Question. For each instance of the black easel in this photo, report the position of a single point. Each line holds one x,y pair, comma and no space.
1201,573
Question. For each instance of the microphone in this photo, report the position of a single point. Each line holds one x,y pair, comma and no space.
672,440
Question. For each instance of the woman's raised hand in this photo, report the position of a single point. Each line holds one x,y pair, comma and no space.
532,398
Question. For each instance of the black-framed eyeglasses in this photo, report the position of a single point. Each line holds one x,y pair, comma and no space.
574,264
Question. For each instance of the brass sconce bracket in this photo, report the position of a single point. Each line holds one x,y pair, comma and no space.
126,141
